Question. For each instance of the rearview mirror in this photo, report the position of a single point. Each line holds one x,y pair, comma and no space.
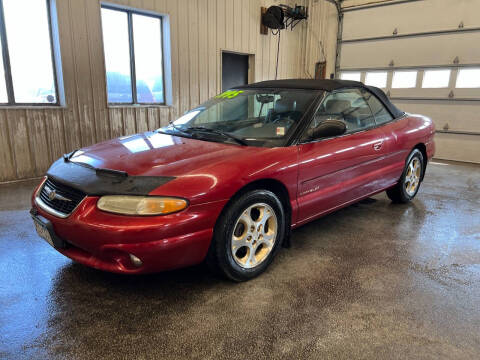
264,99
327,128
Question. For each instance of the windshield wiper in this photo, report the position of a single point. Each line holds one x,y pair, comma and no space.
217,132
67,157
177,129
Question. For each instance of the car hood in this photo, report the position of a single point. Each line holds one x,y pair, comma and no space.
156,154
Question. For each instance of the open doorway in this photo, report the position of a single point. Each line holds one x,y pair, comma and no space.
236,69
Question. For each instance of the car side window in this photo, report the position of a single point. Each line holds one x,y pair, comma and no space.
348,106
381,114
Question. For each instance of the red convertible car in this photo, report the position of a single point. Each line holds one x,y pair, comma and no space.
228,180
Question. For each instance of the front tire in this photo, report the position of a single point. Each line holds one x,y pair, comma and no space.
409,183
248,235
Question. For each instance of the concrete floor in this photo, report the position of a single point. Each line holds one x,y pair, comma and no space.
374,280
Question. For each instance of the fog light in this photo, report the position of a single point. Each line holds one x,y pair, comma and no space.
135,260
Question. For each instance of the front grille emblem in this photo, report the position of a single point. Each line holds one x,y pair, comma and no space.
52,195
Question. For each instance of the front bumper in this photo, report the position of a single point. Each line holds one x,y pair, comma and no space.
104,241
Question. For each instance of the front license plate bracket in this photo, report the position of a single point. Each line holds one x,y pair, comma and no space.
45,230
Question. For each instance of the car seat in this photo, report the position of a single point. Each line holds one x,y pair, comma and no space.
283,108
351,115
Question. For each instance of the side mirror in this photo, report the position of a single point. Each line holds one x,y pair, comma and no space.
328,128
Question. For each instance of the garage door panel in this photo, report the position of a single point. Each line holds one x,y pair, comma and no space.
420,93
467,94
435,41
410,18
460,116
447,147
431,50
441,94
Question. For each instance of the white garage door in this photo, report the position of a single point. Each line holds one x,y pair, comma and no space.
426,55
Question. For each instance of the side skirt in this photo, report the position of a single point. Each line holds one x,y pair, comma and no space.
338,207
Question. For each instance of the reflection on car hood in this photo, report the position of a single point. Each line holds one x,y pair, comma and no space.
155,154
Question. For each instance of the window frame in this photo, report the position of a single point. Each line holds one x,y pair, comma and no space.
451,93
377,124
470,88
7,66
133,77
351,72
426,70
398,71
377,72
362,95
302,139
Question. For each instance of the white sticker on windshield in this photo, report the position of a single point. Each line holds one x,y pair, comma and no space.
257,125
280,131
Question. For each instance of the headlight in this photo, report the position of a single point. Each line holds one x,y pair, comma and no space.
140,205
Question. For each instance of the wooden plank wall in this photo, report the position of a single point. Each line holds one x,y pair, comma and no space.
32,138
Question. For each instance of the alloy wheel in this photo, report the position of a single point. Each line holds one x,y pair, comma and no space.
412,177
254,235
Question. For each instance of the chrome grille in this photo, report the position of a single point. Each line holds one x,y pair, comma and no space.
59,197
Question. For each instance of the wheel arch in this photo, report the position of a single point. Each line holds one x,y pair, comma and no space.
423,150
276,187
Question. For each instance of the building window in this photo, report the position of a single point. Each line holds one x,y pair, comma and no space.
27,68
433,79
404,79
133,57
350,75
377,79
468,78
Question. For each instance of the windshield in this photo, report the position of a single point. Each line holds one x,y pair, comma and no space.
248,117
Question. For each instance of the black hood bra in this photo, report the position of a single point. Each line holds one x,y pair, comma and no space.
98,182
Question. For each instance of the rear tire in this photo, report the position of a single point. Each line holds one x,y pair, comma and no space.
247,235
409,183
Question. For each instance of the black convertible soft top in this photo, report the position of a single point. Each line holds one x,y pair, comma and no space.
326,85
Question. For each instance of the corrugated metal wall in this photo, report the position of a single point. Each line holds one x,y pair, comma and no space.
31,139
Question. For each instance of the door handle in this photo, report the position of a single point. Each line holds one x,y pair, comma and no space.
377,146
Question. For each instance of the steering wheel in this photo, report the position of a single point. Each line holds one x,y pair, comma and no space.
276,117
